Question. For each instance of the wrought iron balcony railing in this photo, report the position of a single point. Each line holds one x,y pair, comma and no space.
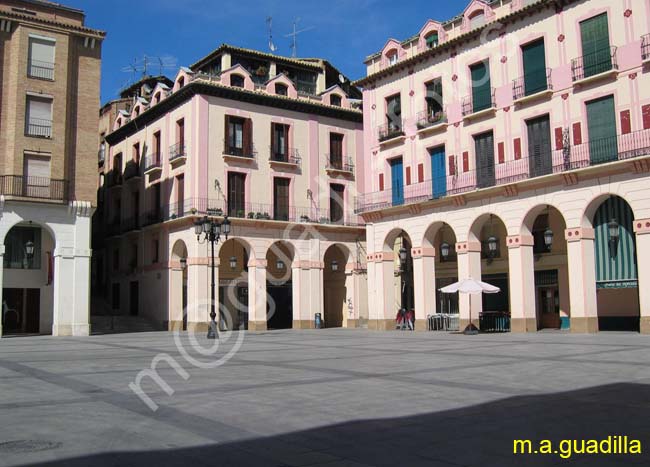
594,63
390,130
177,151
38,127
478,101
34,187
288,156
532,83
131,170
645,47
340,163
40,69
152,161
230,150
429,118
573,157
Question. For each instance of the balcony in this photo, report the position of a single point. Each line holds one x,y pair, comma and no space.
131,224
339,165
132,171
38,127
390,131
177,154
101,157
645,48
592,153
152,164
591,67
239,154
288,158
114,179
479,104
431,120
532,86
40,70
34,187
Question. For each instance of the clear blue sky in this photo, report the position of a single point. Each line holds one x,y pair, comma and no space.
344,31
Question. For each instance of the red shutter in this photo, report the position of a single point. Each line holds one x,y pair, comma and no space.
381,182
517,148
626,125
577,134
452,166
420,173
466,161
559,138
408,175
502,153
645,110
248,137
226,136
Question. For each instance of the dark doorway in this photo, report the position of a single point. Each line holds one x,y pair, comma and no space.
21,311
281,306
134,298
539,146
484,147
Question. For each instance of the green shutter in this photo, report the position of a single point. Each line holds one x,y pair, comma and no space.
534,59
619,271
481,86
601,123
596,57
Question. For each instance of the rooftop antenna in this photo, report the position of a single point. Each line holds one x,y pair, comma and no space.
269,23
294,35
142,65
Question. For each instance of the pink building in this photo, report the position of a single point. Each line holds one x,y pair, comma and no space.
271,143
511,143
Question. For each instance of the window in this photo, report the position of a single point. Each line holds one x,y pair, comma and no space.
394,112
432,40
481,86
236,194
335,100
477,20
155,249
281,199
484,149
156,98
279,142
601,126
596,53
181,82
238,136
534,58
281,89
136,153
36,169
15,248
337,197
434,97
156,147
336,150
237,81
392,57
38,117
180,133
180,195
41,58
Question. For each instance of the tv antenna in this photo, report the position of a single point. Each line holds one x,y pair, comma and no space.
142,66
269,23
294,36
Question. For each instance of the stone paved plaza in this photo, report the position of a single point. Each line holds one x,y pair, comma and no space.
326,398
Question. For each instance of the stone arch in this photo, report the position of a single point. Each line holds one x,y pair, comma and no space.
280,257
335,284
178,284
526,224
586,219
474,234
390,237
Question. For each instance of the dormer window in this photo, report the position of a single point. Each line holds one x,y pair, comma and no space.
181,82
137,111
156,98
477,20
281,89
335,100
119,122
432,40
392,57
237,81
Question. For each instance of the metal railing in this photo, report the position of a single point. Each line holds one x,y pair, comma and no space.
340,163
590,153
494,321
101,155
177,151
478,101
594,63
39,127
289,156
41,70
390,130
34,187
249,153
152,161
532,83
645,47
428,118
114,178
131,170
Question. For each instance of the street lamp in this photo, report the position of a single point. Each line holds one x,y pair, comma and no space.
444,250
493,243
208,230
279,265
335,265
29,249
548,238
183,264
233,262
614,235
402,255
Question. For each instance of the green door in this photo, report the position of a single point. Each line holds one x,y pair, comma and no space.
534,58
481,87
601,124
596,56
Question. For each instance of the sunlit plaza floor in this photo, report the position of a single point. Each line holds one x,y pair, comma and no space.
321,397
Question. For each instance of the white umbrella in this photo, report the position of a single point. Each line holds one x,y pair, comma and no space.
472,287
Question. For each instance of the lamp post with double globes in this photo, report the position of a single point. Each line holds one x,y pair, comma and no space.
208,230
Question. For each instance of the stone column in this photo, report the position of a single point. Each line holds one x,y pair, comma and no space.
469,265
582,279
257,295
521,277
382,314
316,298
424,286
352,308
300,293
642,230
69,317
198,294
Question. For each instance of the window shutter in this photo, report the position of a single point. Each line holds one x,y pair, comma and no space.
517,148
248,136
645,111
40,108
452,166
408,175
559,138
626,126
381,182
38,167
420,173
577,133
41,50
226,134
502,152
286,140
465,161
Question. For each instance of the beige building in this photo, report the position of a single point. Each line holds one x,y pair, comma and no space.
272,144
50,92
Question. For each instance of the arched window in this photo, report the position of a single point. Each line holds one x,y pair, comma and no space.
477,20
156,98
237,81
392,57
432,39
335,100
281,89
181,82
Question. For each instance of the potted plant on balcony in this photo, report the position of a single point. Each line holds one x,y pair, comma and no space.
251,215
240,213
304,218
193,211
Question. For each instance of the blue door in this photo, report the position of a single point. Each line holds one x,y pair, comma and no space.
438,172
397,181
